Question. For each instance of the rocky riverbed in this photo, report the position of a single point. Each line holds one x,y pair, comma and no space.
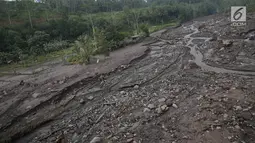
196,83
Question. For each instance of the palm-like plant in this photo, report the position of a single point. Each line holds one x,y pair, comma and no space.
84,48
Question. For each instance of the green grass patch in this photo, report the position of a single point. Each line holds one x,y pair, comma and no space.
162,26
31,61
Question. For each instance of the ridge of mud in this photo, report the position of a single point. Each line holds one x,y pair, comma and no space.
57,96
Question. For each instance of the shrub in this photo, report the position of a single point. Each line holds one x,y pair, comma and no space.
83,47
144,28
55,46
37,41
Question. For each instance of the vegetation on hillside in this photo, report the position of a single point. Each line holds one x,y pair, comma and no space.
31,29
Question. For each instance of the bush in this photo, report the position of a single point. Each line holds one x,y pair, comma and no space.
37,41
83,47
5,57
55,46
144,28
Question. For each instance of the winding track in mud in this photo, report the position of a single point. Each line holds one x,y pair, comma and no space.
199,56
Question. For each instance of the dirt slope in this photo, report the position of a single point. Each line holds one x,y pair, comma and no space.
196,84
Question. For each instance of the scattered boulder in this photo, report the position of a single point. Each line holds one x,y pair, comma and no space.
159,111
35,95
96,140
214,37
162,100
135,125
82,101
130,140
237,127
164,108
202,26
90,98
191,65
61,82
76,138
122,92
21,82
252,37
227,43
29,107
175,106
146,110
151,106
169,102
4,92
218,127
136,86
225,116
238,108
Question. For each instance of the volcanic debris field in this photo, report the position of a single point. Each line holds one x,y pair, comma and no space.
190,84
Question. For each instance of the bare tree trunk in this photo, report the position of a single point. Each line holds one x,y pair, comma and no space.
29,16
47,15
93,27
30,20
9,18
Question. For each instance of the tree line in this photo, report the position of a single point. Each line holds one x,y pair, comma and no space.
31,29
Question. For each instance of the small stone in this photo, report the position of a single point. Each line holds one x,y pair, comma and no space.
175,106
4,92
151,106
130,140
90,98
61,82
169,102
227,43
29,107
35,95
146,110
82,101
135,125
162,100
158,110
96,140
122,92
237,127
225,116
185,137
222,49
200,97
164,108
21,82
75,138
136,86
238,108
218,127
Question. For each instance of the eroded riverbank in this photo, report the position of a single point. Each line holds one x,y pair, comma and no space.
173,94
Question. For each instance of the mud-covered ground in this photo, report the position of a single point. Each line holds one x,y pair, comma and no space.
195,84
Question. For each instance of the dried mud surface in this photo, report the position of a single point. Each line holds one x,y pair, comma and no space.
196,83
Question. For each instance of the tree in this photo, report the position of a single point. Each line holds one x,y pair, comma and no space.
29,4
